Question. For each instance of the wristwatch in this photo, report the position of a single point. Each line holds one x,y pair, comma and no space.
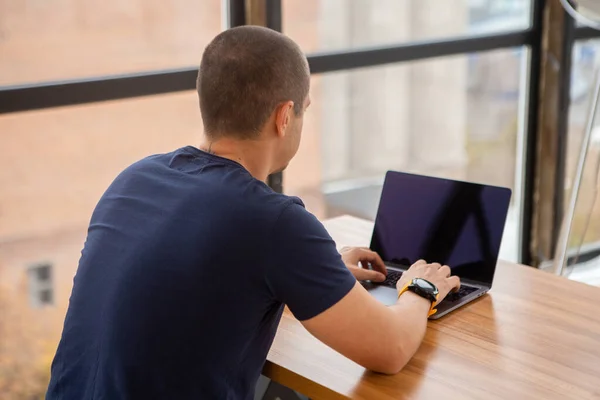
425,289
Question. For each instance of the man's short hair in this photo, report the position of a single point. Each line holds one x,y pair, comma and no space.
244,74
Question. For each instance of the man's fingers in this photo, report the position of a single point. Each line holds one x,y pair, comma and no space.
446,271
454,282
362,274
374,259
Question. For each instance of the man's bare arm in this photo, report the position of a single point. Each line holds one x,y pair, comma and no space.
380,338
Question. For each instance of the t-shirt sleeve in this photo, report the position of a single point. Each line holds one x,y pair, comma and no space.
305,272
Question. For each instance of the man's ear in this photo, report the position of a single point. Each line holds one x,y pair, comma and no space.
283,117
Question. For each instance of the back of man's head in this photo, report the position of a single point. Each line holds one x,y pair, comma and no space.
245,73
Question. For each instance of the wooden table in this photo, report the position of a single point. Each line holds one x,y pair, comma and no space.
535,336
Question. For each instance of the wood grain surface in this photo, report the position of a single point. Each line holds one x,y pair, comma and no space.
534,336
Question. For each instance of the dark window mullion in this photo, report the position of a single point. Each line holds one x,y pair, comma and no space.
583,33
374,56
56,94
274,21
529,163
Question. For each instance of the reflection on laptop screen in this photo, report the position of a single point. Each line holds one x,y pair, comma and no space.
455,223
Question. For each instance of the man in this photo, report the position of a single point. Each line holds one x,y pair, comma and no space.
191,257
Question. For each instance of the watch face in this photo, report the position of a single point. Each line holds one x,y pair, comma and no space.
425,285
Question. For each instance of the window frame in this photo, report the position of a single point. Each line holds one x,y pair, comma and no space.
45,95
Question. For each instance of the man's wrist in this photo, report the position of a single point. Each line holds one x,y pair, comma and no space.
411,298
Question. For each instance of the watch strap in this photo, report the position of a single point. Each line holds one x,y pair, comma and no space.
432,310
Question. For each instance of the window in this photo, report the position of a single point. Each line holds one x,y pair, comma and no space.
66,39
41,292
456,117
459,117
324,25
585,230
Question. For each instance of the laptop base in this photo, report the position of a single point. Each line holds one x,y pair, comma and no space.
389,296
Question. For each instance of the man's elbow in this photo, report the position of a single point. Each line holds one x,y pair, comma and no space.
399,349
390,361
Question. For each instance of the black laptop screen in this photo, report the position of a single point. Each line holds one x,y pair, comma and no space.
455,223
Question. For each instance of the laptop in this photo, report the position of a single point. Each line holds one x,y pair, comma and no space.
453,223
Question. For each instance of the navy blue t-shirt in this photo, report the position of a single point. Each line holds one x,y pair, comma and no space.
182,281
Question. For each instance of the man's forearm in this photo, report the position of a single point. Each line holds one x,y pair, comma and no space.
380,338
411,313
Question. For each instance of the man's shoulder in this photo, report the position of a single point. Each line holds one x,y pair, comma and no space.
209,184
293,218
258,197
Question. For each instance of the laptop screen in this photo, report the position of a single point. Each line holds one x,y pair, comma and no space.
439,220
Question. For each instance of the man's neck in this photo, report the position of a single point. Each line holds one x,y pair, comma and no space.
249,153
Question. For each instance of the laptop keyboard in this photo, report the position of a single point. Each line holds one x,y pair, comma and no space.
394,276
463,291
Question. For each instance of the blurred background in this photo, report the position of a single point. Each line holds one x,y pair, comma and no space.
435,87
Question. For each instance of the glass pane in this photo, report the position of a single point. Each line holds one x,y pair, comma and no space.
55,165
67,39
321,25
585,55
585,228
455,117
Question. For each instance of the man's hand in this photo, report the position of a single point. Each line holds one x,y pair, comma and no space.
435,273
352,256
